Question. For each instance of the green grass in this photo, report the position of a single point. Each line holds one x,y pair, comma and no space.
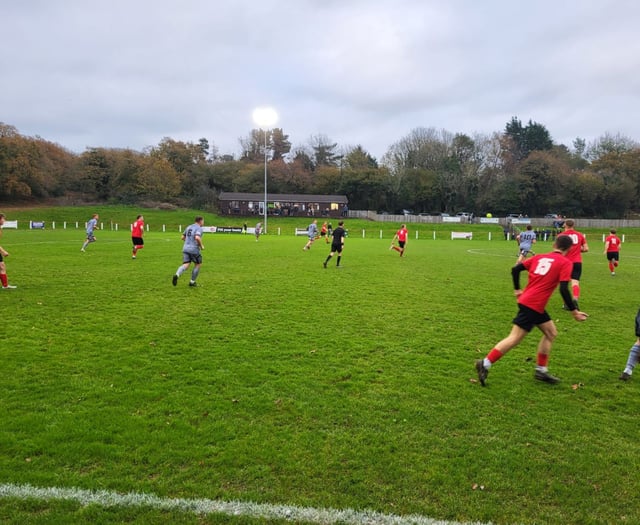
277,381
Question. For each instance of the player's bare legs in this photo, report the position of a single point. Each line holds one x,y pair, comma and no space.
549,333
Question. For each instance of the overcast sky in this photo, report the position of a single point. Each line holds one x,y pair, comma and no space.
126,74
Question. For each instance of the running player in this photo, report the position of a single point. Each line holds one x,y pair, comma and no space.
92,225
401,235
612,245
137,231
3,269
634,353
337,244
192,238
312,233
579,247
546,272
526,240
323,232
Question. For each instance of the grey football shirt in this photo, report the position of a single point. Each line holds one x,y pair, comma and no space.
190,243
526,239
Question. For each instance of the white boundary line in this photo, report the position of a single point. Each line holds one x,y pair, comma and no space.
479,251
207,506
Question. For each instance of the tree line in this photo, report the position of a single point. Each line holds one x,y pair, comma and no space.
517,170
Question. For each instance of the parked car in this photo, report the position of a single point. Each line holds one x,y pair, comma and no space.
407,212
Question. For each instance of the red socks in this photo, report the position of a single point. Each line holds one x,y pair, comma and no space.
3,278
494,355
542,360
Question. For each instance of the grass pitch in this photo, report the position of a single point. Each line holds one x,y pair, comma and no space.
277,381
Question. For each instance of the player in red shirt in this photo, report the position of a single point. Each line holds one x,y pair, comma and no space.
579,247
137,231
545,273
612,250
401,235
4,253
323,232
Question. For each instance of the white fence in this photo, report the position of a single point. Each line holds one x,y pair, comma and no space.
536,222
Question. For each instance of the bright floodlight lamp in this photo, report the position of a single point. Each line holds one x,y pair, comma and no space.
265,118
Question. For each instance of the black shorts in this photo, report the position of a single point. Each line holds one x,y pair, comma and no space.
528,318
137,241
402,243
576,273
1,259
613,256
195,258
336,247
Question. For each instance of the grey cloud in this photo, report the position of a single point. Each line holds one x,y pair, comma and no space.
127,74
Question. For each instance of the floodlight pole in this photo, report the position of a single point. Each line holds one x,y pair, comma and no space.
265,118
265,181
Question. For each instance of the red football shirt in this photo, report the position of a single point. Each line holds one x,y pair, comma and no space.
402,234
138,228
546,271
614,243
579,240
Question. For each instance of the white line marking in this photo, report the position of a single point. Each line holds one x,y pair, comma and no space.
208,506
483,252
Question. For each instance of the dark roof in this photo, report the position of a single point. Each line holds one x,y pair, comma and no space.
281,197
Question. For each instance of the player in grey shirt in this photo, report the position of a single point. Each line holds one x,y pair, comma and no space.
526,239
92,224
192,238
312,233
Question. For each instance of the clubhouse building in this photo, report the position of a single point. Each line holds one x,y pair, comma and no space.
283,204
